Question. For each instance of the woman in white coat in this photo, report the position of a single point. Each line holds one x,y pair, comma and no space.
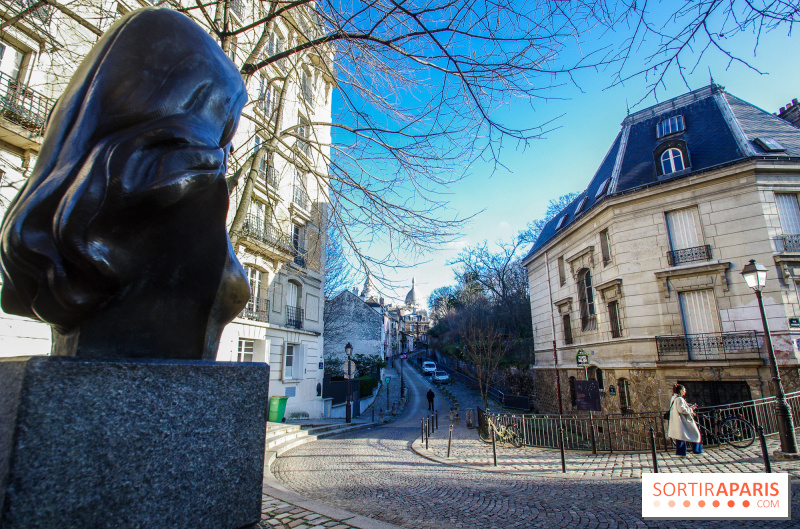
681,423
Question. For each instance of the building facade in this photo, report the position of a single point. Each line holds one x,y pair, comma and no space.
642,271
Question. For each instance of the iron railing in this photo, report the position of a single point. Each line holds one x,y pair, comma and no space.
742,345
791,242
294,317
21,105
300,197
758,412
257,309
689,255
266,233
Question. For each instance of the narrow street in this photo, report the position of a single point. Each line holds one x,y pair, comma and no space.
375,473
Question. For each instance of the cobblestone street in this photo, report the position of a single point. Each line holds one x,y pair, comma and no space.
376,474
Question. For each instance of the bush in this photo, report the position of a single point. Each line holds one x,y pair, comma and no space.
367,385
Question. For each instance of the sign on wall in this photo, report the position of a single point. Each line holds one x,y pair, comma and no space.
587,395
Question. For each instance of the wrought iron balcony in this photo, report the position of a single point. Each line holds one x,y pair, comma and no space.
257,309
300,197
21,105
266,233
294,317
709,346
689,255
791,242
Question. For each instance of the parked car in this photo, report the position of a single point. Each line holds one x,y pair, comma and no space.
428,367
441,377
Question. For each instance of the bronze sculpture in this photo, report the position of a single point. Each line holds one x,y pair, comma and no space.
118,238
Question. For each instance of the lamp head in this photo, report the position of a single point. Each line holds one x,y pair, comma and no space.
348,349
755,275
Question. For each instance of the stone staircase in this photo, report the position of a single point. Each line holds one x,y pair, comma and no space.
282,437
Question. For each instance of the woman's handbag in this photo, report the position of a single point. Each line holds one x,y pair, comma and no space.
666,413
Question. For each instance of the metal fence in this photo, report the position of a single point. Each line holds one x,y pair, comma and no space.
689,255
627,432
742,345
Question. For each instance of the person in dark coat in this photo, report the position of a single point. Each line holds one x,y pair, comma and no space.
431,395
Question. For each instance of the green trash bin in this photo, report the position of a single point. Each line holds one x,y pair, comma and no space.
277,408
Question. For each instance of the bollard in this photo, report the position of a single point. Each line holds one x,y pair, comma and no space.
561,445
422,427
427,434
373,414
653,450
449,441
430,425
764,451
436,414
494,445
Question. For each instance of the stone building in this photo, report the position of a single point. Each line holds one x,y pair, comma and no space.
642,271
360,323
275,217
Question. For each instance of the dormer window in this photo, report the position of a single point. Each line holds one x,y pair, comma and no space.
670,126
580,206
672,161
770,145
603,188
561,222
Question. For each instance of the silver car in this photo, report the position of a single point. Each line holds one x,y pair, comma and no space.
441,377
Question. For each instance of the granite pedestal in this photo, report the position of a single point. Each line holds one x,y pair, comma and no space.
145,444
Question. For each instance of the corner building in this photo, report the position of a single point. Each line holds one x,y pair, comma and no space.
643,269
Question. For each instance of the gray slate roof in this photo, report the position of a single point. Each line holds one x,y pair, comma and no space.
720,129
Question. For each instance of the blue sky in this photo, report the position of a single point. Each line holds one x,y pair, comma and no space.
585,121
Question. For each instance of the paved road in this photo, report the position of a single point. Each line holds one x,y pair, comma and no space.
374,473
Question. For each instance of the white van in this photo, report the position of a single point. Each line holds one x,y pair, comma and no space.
428,367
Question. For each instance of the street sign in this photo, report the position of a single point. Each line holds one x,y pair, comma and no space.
349,369
582,358
587,395
388,379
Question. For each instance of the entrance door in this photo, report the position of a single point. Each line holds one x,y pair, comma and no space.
713,393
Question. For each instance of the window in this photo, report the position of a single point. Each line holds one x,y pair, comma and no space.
699,311
788,212
264,96
580,205
567,329
561,222
303,133
685,237
586,298
603,188
671,161
598,375
770,144
289,362
562,275
605,246
669,126
246,349
573,395
624,395
10,61
614,319
294,296
306,89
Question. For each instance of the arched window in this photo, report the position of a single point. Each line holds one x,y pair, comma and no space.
586,298
573,396
624,395
672,161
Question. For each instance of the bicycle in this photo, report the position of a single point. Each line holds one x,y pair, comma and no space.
506,434
734,430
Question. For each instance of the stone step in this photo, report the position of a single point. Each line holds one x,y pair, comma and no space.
278,445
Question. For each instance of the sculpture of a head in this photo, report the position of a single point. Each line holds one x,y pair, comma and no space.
118,237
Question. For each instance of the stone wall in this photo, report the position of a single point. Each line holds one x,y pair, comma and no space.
356,323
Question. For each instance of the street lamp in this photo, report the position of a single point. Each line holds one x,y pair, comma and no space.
755,275
348,349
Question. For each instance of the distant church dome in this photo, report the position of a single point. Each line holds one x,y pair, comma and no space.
412,300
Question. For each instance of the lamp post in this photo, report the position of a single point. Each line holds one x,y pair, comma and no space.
348,349
755,275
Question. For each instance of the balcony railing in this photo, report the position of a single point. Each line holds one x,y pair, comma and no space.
791,242
689,255
294,317
300,197
267,234
709,346
21,105
257,309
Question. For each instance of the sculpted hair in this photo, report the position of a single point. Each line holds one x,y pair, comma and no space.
140,129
